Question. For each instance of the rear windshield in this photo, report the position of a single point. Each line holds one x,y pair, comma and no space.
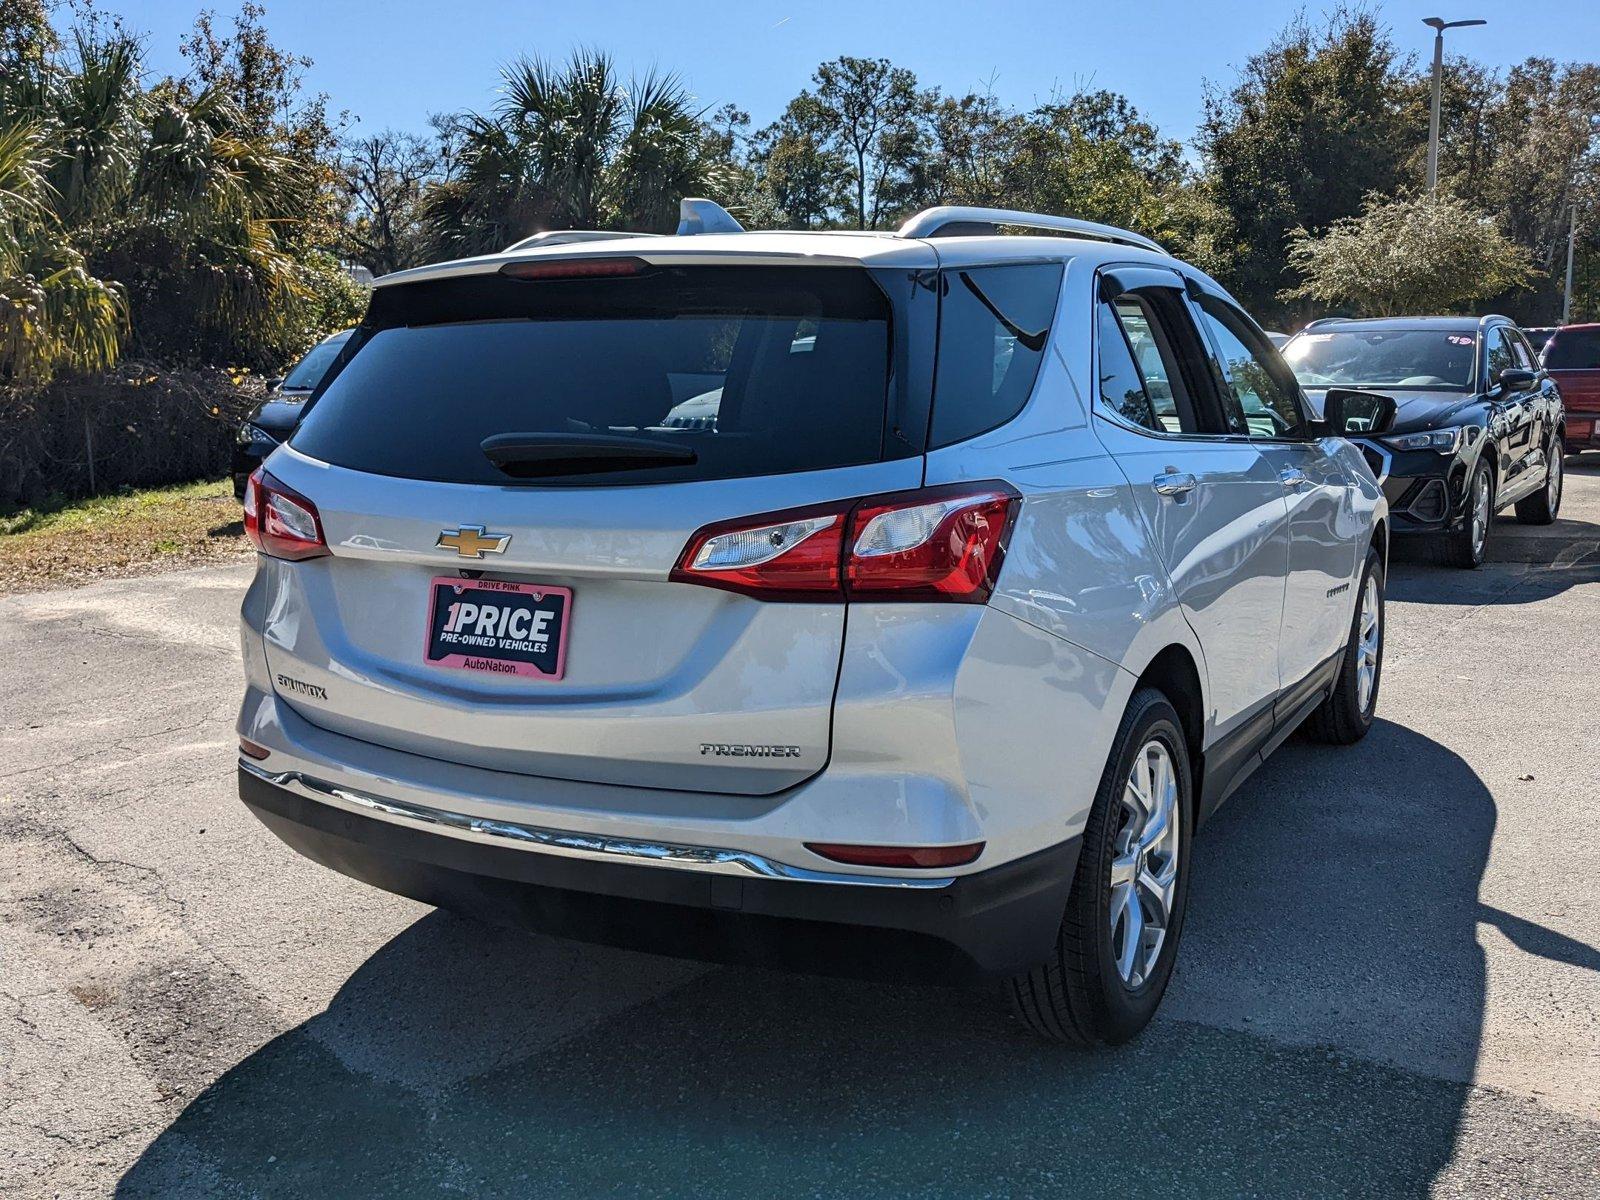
1573,350
308,372
1395,358
757,370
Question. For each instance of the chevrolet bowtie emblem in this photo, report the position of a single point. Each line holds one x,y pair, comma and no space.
473,541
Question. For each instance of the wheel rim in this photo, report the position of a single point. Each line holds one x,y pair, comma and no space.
1144,864
1369,644
1480,512
1554,482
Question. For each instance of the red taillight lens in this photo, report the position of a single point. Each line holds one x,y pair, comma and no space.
898,856
930,545
280,521
792,555
943,544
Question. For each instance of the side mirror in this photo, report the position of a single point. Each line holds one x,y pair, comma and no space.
1345,412
274,383
1517,379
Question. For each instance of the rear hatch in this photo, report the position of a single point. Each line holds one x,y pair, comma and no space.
1572,356
490,449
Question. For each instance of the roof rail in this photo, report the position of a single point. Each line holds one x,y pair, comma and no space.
959,220
696,215
564,237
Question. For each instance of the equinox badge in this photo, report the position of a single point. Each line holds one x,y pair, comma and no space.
473,541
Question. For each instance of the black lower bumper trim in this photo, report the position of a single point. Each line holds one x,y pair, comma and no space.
992,923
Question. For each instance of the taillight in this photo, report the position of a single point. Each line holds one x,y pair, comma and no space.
280,521
943,544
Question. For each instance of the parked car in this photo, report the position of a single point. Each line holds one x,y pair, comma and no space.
272,420
1480,425
1572,359
1538,335
518,647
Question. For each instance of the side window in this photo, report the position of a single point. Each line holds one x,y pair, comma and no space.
1137,317
1521,351
994,323
1257,397
1122,386
1497,353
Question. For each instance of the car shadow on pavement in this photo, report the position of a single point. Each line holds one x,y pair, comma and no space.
1324,1018
1413,580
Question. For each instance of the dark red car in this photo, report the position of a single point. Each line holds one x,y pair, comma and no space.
1572,357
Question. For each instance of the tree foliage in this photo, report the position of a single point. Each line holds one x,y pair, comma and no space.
183,219
1409,255
570,146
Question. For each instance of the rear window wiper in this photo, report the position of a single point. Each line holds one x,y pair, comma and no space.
538,455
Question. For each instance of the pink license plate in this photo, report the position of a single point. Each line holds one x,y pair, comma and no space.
497,628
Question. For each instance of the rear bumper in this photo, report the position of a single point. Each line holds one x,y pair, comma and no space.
1582,431
981,925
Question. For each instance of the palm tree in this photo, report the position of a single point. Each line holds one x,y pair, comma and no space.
54,315
570,146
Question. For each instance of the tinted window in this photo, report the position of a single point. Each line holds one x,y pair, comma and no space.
1573,350
757,370
1122,387
308,372
1255,400
1521,351
994,323
1139,315
1497,354
1383,358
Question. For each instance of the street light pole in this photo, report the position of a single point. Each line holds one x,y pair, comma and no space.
1438,25
1572,241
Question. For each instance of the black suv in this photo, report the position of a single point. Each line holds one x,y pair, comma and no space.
1479,427
274,419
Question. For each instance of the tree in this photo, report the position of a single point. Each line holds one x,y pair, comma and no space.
1525,148
1411,255
1315,122
570,146
201,197
385,177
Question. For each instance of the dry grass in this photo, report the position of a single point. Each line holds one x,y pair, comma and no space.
110,536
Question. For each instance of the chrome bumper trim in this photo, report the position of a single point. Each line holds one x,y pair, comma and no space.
572,845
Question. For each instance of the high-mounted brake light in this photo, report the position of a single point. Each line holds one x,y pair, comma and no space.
940,544
280,521
575,268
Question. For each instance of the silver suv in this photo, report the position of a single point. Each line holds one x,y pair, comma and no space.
885,603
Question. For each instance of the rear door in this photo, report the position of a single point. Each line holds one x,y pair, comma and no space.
409,635
1212,500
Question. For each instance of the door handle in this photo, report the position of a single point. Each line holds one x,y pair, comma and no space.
1292,477
1175,483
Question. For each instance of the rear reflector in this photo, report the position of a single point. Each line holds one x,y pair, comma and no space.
252,750
898,856
940,544
575,268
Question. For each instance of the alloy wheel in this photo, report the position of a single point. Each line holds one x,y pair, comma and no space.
1480,513
1552,481
1144,864
1369,644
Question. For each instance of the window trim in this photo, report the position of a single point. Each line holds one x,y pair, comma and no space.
1148,276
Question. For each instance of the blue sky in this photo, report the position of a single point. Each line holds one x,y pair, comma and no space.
391,64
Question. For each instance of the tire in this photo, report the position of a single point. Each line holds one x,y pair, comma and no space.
1466,547
1345,716
1541,507
1083,996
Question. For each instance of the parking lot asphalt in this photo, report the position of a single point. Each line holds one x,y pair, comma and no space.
1390,983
